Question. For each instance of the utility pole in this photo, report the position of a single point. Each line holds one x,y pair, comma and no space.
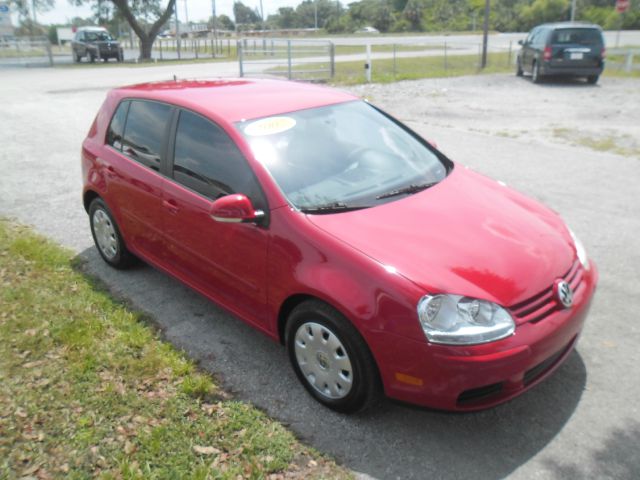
573,10
315,12
175,10
215,25
485,34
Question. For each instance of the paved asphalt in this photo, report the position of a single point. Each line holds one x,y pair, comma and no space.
583,422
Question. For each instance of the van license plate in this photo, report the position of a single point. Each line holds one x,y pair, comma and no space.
577,56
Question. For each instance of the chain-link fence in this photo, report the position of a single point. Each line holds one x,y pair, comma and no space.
293,59
388,62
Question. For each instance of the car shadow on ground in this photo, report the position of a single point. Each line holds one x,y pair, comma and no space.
392,441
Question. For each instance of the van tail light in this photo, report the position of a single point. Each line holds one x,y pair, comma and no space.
547,54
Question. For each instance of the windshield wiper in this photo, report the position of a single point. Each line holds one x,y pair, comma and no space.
409,189
335,207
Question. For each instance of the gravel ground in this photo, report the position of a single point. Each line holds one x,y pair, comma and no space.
583,422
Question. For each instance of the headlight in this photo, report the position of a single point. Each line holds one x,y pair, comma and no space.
458,320
580,250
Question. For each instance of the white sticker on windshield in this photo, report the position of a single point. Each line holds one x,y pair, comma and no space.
269,126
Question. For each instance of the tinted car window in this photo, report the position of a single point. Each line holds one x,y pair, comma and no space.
208,161
581,36
145,131
116,128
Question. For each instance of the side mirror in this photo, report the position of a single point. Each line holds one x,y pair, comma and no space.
235,208
520,42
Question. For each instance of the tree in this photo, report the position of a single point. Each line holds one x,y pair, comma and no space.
146,18
244,14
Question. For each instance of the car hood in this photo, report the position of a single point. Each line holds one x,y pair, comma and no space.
467,235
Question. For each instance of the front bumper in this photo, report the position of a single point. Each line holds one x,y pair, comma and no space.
481,376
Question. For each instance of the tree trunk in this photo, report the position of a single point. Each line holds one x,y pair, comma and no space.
146,44
146,37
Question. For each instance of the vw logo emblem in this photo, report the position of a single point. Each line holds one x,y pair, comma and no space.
564,293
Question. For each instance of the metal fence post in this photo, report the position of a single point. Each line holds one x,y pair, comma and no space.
240,57
367,66
49,53
289,59
395,66
446,67
332,59
628,64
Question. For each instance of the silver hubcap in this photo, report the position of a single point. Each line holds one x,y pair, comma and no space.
323,360
105,234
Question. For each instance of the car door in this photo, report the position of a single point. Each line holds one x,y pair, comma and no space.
528,51
136,146
226,261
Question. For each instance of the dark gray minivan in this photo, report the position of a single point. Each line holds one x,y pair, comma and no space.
562,49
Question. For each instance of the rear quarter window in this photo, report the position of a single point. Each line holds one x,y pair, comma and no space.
116,127
577,36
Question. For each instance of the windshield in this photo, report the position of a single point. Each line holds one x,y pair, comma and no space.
97,36
341,157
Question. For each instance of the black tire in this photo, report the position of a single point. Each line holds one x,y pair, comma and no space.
117,255
535,73
92,57
120,57
76,58
593,79
519,71
314,318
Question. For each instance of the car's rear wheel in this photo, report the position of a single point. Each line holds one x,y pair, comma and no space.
593,79
92,57
76,57
107,236
535,72
519,71
331,359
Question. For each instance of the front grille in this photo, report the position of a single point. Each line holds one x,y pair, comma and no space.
475,394
543,304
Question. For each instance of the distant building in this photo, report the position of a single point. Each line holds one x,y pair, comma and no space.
6,28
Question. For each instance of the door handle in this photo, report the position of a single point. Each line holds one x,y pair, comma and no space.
171,205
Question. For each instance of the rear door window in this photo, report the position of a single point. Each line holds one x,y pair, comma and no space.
577,36
145,132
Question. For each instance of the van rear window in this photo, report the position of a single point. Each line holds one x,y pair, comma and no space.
577,36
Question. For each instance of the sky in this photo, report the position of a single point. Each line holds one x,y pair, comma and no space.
195,9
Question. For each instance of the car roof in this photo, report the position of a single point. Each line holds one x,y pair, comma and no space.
91,29
571,25
237,99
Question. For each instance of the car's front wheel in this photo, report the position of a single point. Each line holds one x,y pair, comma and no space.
331,358
107,236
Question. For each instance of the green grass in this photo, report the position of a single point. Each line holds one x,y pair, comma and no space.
604,142
87,389
383,71
615,66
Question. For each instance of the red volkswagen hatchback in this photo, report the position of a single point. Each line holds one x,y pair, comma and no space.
335,229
